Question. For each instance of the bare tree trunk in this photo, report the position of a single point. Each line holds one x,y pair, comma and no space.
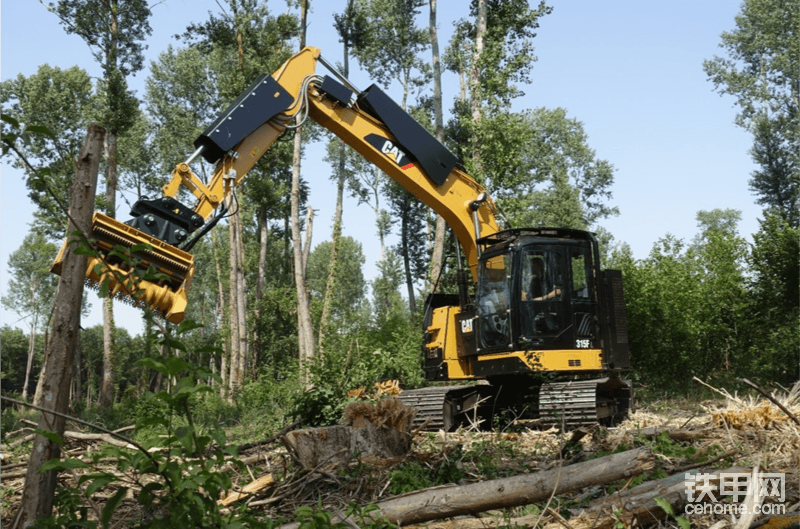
437,255
241,302
474,83
29,365
223,364
261,282
330,282
233,311
39,488
309,234
106,397
305,335
412,304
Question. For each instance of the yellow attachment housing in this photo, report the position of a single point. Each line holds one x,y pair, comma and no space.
165,296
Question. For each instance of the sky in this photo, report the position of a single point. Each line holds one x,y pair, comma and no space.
630,71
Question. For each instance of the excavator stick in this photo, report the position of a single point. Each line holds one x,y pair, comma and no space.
165,295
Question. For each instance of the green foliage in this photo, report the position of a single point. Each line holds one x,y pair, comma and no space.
410,477
682,300
179,485
49,112
761,69
666,506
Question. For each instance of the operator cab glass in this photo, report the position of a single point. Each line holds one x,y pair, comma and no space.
538,292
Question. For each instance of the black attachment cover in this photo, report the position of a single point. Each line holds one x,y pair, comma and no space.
164,218
260,102
435,158
336,90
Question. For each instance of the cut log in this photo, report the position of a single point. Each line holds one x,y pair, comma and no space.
637,507
423,506
446,502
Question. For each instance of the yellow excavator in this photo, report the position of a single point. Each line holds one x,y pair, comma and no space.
530,302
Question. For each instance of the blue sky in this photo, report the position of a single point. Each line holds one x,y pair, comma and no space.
630,70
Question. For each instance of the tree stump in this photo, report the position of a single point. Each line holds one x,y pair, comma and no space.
379,429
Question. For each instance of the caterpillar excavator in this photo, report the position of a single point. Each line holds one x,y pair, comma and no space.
530,302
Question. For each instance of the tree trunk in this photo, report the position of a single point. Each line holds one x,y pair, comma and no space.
305,336
223,364
518,490
37,493
309,234
241,302
437,255
474,82
406,211
106,397
330,282
233,310
29,365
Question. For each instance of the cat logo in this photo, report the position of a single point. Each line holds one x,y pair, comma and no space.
390,149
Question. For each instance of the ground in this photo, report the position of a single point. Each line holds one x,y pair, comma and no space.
682,435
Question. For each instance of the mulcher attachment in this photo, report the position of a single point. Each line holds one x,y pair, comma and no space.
165,295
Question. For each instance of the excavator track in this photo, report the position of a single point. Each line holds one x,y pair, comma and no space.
569,404
435,407
577,403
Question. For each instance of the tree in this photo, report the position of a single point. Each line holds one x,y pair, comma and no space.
775,288
389,51
31,288
351,286
60,100
115,31
14,347
762,71
305,337
437,252
559,180
491,54
389,48
776,182
351,26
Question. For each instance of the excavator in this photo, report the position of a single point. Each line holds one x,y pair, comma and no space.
537,329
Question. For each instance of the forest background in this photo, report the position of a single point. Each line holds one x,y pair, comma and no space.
694,196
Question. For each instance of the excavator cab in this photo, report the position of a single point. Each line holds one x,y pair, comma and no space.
537,289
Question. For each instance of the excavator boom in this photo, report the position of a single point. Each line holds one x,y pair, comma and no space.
369,121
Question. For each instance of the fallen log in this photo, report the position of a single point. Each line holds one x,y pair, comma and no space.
446,502
638,507
504,493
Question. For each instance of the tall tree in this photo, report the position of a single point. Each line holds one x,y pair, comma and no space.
555,178
491,54
390,52
350,292
304,328
31,288
351,27
62,101
115,31
761,70
437,253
